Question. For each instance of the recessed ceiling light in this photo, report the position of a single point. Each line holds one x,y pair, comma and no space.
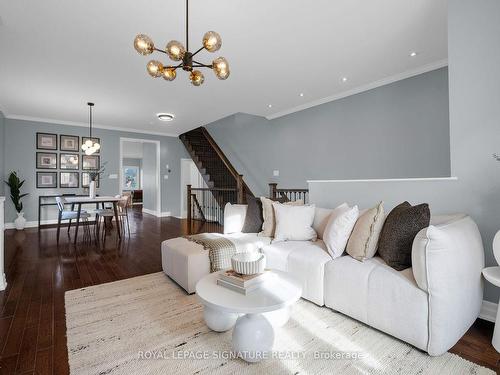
165,116
413,54
344,79
301,94
270,105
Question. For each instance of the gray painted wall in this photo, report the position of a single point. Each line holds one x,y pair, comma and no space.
396,131
131,162
2,148
19,154
149,176
474,58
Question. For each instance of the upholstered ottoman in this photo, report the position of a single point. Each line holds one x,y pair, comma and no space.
185,262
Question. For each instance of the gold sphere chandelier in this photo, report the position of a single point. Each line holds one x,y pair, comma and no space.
176,52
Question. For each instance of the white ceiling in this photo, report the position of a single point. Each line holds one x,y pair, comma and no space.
59,54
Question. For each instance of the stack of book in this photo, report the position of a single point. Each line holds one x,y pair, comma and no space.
243,284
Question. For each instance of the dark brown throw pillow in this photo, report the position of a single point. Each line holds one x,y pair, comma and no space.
399,230
253,218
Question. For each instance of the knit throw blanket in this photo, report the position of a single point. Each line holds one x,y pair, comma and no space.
220,249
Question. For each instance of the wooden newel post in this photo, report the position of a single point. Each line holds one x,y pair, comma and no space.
272,190
239,187
189,207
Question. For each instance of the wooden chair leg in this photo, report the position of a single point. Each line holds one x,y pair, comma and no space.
69,225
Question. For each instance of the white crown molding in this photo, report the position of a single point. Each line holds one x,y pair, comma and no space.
84,125
360,89
388,180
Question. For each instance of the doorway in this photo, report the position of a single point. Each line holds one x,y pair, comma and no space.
140,173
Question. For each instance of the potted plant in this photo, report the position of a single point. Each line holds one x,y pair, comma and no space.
94,175
15,184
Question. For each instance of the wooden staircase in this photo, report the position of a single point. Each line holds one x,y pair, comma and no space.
224,183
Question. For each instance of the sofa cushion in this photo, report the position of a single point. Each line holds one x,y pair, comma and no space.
378,295
321,216
269,225
305,260
399,230
254,218
364,237
294,223
339,228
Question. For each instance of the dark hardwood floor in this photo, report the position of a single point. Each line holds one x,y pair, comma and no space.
32,320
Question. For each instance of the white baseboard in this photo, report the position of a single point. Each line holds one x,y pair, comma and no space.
488,311
155,213
32,224
3,282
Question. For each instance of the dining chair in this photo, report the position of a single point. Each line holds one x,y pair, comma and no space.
70,215
123,205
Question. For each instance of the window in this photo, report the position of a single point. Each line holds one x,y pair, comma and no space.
131,178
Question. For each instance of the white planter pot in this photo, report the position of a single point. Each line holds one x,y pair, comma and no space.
20,222
92,190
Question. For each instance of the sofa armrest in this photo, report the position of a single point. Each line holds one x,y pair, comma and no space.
447,261
234,217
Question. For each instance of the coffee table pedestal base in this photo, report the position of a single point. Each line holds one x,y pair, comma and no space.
217,320
253,337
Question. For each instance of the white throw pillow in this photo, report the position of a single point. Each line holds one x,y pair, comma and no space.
321,217
339,228
294,223
268,227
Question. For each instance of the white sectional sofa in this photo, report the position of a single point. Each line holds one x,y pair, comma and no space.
430,305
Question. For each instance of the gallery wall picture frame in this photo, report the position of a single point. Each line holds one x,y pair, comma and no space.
69,143
46,141
93,139
69,180
90,162
69,161
86,180
46,160
46,180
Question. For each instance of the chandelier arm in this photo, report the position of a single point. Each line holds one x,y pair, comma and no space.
201,49
160,50
187,25
201,65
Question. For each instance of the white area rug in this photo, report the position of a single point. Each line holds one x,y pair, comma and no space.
148,325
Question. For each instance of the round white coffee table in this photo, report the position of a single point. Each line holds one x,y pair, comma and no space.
253,315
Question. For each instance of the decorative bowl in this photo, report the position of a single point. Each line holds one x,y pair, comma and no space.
248,263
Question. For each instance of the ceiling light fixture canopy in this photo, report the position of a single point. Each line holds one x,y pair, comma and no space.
165,116
90,146
176,51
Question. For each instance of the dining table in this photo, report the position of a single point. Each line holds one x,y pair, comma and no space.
100,200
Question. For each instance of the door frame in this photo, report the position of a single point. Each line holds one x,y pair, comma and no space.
157,212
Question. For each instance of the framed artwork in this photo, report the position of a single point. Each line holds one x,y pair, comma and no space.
69,161
69,143
86,180
131,178
98,140
46,141
46,180
69,179
90,162
46,160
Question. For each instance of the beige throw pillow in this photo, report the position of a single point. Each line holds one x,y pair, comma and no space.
269,225
364,237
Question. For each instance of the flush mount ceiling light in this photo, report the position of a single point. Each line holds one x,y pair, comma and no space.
413,54
212,42
90,146
165,116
